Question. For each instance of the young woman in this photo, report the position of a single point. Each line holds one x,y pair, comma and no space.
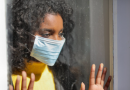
38,29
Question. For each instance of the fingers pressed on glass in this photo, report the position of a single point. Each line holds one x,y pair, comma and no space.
92,75
107,83
82,86
24,77
10,87
98,77
32,79
103,76
17,83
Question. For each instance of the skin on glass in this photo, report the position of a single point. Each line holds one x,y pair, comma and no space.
52,28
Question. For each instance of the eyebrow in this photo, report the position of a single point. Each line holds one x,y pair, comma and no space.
49,30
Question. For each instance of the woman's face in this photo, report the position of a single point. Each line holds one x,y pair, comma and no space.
51,27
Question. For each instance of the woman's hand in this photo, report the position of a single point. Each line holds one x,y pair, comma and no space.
23,86
99,79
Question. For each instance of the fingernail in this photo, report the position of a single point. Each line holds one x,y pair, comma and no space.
83,86
18,77
93,66
32,76
24,73
110,77
105,69
10,87
101,65
82,83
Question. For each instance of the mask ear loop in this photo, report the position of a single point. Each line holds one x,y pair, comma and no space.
31,34
28,34
27,48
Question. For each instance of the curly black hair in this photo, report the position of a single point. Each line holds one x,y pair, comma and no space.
25,16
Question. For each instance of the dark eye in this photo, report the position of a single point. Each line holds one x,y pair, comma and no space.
61,34
46,35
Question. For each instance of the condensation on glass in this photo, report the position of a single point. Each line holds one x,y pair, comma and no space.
90,38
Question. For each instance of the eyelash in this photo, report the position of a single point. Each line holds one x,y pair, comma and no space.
47,35
61,34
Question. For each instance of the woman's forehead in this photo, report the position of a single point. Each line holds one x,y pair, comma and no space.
52,21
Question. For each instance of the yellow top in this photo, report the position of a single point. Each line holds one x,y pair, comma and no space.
44,79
